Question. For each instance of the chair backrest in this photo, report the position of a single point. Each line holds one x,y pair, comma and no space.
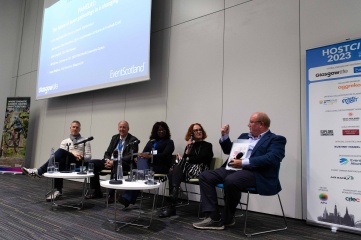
216,163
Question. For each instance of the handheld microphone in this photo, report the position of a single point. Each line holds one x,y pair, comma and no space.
84,141
189,146
239,155
134,142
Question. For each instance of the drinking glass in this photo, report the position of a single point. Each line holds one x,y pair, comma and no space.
134,174
90,167
150,177
56,165
72,167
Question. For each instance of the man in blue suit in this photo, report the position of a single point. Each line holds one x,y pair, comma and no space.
259,169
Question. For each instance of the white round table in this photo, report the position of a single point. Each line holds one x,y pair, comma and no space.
73,175
137,185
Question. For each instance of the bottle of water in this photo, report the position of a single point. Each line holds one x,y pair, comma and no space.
120,167
51,163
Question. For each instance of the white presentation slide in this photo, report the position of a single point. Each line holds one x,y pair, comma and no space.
87,45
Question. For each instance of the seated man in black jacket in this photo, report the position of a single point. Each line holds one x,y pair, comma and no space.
118,142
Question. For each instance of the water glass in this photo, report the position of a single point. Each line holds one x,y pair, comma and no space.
150,177
56,167
82,169
72,167
146,174
140,175
51,169
90,167
134,175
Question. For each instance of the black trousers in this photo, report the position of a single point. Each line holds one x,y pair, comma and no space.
175,176
98,167
234,182
64,158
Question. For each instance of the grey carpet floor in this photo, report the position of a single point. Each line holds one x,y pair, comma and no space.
24,214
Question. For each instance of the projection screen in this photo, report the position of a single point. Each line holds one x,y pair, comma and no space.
92,44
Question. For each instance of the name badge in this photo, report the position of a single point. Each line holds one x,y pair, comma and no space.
154,152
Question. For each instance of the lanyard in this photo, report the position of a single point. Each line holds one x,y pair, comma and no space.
120,147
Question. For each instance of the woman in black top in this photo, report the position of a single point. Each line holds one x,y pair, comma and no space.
196,158
162,148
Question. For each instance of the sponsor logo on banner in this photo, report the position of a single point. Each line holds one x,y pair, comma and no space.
349,100
352,161
331,73
347,86
343,161
355,161
340,146
348,177
326,132
323,197
357,69
350,118
346,132
352,199
328,101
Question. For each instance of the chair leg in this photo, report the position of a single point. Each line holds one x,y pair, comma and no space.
268,231
180,191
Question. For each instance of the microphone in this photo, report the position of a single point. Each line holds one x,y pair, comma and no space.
84,141
189,147
239,155
134,142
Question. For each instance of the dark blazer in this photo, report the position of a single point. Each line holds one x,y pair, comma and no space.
265,161
114,143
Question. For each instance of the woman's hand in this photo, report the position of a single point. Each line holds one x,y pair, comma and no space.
145,155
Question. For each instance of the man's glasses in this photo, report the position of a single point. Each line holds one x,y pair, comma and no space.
197,130
251,122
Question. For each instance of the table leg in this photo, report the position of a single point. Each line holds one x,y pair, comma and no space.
132,223
77,206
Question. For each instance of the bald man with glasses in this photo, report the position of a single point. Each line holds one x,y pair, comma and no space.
259,169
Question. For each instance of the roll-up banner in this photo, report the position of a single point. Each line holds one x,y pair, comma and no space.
14,135
333,108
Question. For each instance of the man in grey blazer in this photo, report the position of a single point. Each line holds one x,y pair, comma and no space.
258,169
120,142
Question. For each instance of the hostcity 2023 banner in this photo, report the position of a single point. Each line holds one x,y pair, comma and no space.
15,132
333,135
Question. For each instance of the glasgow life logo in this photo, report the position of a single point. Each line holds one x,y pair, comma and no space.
326,132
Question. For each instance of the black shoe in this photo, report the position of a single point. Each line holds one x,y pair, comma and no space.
167,212
123,201
94,195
